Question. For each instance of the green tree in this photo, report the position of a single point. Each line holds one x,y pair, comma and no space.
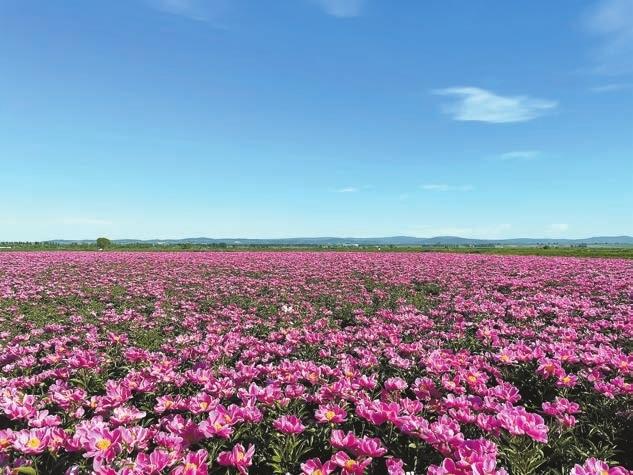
103,242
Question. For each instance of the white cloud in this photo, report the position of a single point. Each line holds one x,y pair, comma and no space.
611,87
559,227
612,22
341,8
348,189
200,10
519,155
444,187
475,104
86,221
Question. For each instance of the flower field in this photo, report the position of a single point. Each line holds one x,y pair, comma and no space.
316,363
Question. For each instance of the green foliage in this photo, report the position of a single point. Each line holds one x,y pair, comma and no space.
103,242
286,451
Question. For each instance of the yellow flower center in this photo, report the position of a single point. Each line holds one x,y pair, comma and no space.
103,444
504,358
329,415
34,443
350,464
566,380
240,456
190,466
317,472
204,405
217,426
472,378
4,442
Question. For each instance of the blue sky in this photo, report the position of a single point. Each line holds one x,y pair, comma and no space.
235,118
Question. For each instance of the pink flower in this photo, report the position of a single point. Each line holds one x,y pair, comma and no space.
448,467
350,466
560,406
44,419
342,440
370,447
201,403
395,466
518,421
153,463
316,467
166,403
31,442
549,368
395,384
216,425
195,464
594,466
289,425
103,444
330,413
567,380
126,414
239,458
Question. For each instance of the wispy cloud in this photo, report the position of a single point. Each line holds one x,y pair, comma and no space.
341,8
347,189
612,22
199,10
86,221
612,87
519,155
475,104
558,227
444,187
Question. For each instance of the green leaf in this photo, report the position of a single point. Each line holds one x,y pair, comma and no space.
25,470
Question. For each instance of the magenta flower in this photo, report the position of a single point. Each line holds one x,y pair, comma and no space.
216,425
567,380
395,384
370,447
289,425
123,415
103,444
350,466
153,463
330,413
31,442
238,457
342,440
594,466
448,467
518,421
195,463
316,467
395,466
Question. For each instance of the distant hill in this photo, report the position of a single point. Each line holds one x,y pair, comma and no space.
378,241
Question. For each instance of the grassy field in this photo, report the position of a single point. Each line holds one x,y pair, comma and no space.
621,252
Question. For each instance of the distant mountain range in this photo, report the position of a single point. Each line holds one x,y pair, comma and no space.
379,241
